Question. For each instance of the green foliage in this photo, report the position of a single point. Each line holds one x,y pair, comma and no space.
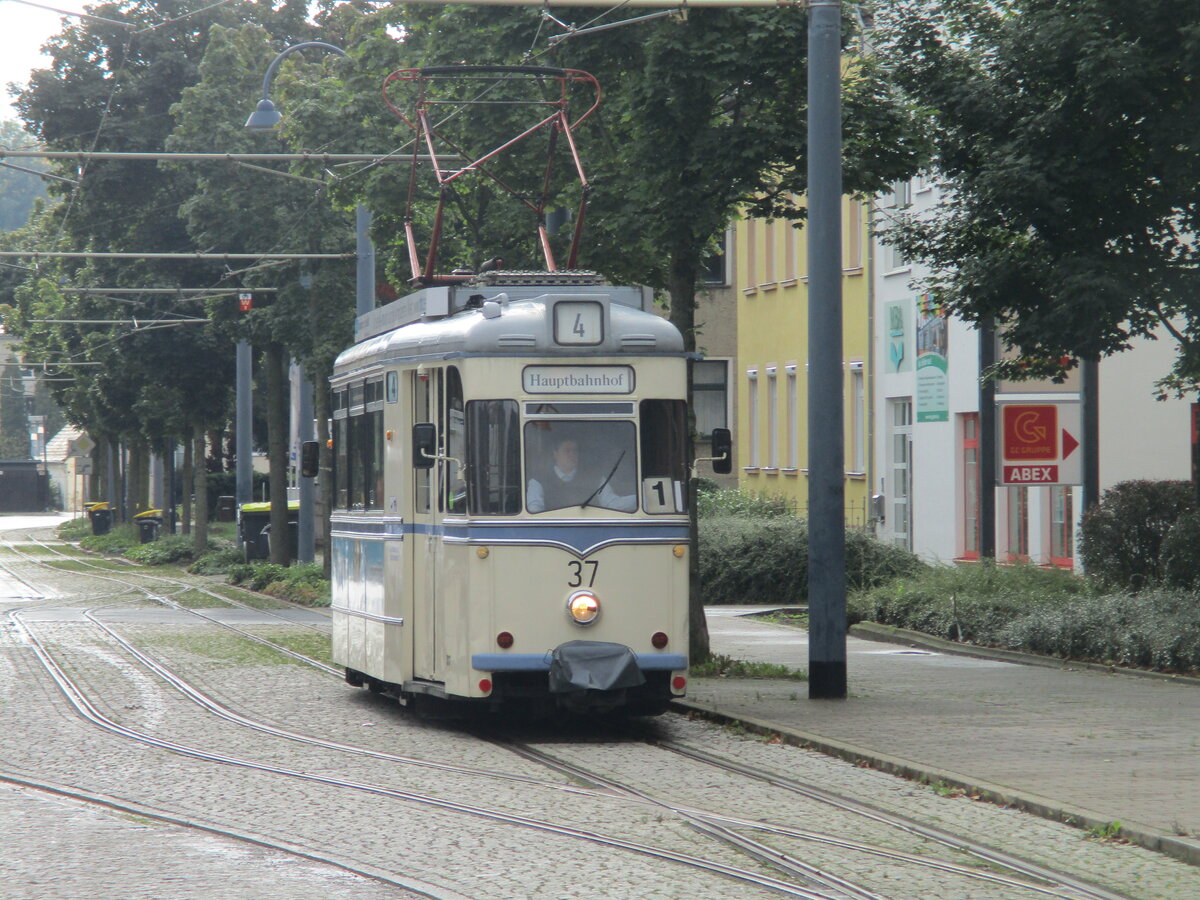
1067,135
719,666
75,529
14,427
217,562
1157,629
19,191
1122,540
966,603
119,540
715,501
168,548
1181,552
745,559
304,583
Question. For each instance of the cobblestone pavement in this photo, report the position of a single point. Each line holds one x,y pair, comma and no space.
418,823
1095,746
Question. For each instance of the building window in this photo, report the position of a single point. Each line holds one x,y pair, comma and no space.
793,425
970,494
749,262
714,269
901,197
710,395
772,419
1062,520
900,469
858,419
769,238
1018,523
752,416
854,223
791,236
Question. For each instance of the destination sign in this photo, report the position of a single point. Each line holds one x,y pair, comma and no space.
577,379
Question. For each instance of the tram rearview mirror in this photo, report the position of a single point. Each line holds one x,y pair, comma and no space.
424,445
310,459
722,451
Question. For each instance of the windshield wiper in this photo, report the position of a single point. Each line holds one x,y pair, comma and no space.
605,482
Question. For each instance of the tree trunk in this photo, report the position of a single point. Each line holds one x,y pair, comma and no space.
277,440
200,486
186,512
684,267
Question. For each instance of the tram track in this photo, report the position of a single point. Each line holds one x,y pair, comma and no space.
91,713
1036,880
726,829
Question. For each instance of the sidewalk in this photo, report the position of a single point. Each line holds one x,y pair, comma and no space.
1083,745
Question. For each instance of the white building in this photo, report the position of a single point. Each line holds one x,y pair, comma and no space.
926,403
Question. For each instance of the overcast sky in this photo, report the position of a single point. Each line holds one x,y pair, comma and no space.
23,30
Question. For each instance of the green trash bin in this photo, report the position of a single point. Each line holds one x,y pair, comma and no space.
254,526
148,524
101,517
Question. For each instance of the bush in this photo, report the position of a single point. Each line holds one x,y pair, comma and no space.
712,501
217,561
75,529
1122,540
1154,630
765,560
1181,552
966,603
168,548
305,583
119,540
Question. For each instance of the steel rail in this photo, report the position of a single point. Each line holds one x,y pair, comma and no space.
89,712
320,629
1081,888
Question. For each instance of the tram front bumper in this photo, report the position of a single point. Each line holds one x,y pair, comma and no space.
585,665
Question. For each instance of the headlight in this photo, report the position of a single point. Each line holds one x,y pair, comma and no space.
583,607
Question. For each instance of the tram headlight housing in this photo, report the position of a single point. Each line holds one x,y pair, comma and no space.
583,607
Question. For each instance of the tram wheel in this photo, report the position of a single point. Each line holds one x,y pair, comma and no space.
354,679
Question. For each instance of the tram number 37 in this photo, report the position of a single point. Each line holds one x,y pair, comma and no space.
581,570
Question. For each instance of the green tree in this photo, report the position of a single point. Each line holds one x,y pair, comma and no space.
19,189
14,427
1068,137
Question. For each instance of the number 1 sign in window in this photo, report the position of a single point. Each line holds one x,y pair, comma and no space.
578,322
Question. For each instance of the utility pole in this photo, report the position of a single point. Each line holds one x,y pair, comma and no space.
826,451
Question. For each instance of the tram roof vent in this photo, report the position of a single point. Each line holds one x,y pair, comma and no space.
509,341
638,342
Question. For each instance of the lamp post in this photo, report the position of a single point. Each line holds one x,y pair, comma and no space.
265,118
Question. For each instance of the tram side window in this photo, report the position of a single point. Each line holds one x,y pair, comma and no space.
372,461
664,456
456,487
341,451
494,457
358,447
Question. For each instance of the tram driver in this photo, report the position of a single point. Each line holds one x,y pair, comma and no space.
563,485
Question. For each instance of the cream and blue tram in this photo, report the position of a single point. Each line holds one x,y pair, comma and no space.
510,488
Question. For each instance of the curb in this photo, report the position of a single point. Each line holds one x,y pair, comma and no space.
873,631
1043,807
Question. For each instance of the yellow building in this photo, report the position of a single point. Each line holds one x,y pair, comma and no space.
772,341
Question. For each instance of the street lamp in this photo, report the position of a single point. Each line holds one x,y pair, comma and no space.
265,118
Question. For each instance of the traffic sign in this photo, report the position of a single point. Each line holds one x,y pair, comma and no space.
1039,443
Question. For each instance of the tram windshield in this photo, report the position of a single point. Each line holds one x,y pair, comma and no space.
580,463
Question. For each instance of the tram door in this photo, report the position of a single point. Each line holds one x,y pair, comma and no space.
425,542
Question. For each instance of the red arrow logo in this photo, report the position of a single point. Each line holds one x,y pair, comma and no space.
1068,444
